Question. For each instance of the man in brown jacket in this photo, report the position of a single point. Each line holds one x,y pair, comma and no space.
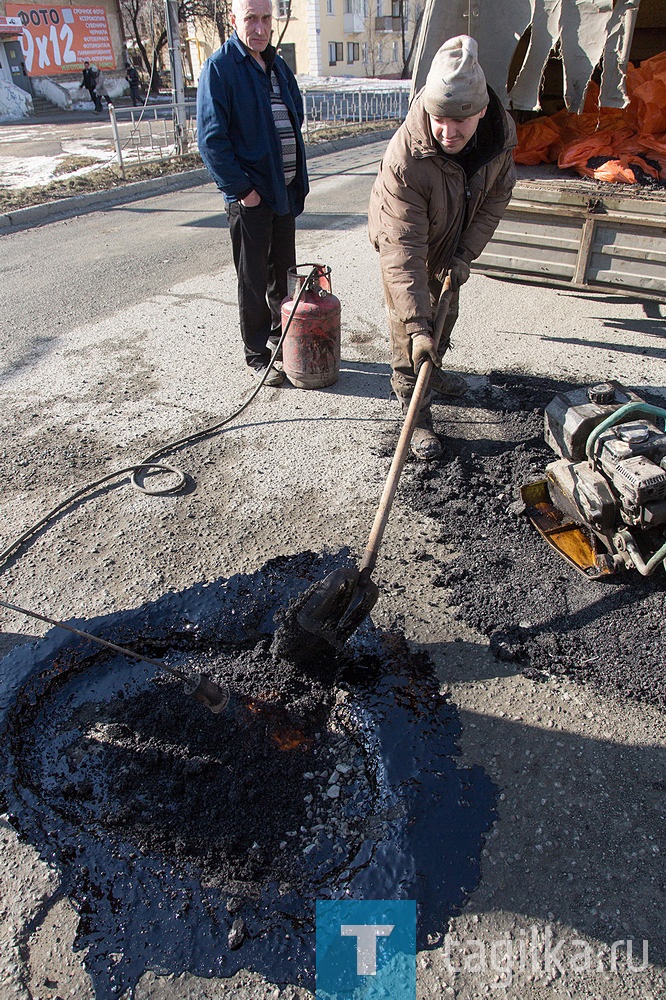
442,187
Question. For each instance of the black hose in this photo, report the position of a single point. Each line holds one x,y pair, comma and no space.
149,462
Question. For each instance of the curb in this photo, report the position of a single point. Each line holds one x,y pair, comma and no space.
79,204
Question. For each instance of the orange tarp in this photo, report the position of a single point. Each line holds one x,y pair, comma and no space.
624,145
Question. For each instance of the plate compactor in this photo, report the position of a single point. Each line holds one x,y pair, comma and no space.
602,504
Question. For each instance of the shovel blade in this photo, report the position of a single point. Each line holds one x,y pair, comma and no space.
363,601
337,606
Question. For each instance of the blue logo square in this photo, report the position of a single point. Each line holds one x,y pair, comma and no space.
366,949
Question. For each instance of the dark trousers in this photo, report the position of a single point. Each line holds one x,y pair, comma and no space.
404,376
94,97
264,248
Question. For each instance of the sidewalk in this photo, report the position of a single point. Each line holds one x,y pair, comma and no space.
78,204
62,116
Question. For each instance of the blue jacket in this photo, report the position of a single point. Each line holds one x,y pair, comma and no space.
237,137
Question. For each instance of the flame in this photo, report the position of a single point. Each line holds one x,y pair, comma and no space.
292,739
263,703
287,736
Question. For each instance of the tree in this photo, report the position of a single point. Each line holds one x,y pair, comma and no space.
404,18
409,38
284,14
145,23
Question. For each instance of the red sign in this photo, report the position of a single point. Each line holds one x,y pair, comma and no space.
60,39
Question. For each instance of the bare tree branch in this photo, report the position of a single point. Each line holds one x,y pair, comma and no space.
144,23
285,25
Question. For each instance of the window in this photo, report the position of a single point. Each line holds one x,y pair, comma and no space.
380,8
365,52
396,8
283,8
365,8
380,52
394,52
336,53
352,52
329,7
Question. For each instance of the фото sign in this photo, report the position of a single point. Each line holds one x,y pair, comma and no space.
60,39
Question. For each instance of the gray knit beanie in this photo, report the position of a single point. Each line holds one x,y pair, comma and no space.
455,86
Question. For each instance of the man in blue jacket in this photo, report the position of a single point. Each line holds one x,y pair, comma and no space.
249,118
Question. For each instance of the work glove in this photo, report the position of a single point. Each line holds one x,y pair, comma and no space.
458,273
423,349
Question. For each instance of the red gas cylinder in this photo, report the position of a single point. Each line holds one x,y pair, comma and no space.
311,347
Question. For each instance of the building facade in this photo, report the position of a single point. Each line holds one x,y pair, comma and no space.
352,38
320,38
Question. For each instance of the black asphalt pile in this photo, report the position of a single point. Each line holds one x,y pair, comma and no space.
233,794
503,580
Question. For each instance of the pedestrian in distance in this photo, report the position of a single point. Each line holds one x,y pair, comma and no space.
102,90
442,188
134,82
249,117
89,81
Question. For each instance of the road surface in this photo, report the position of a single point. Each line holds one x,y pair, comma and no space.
120,334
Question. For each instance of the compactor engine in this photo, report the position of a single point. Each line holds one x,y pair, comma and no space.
602,504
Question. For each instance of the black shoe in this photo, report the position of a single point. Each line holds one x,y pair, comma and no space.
274,377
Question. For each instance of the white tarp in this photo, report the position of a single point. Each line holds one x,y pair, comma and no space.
582,33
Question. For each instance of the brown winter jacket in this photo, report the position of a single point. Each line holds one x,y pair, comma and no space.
423,209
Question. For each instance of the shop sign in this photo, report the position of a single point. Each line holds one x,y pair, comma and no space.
60,39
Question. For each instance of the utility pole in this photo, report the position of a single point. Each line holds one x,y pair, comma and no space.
177,84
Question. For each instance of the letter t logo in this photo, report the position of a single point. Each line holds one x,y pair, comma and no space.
366,944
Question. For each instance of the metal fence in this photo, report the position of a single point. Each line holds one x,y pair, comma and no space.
328,109
154,132
160,131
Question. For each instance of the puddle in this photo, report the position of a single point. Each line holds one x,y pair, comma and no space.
200,843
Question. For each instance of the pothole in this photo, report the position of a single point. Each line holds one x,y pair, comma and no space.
201,843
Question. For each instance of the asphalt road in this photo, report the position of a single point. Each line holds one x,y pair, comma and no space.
120,334
79,270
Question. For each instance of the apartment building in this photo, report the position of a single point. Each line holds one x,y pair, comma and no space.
353,38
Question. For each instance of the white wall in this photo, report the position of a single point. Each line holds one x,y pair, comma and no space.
14,102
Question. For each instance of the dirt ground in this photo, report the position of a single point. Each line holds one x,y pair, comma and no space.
556,685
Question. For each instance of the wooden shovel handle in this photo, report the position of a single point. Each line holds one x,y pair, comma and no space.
402,448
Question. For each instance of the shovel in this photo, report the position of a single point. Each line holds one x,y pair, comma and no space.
337,606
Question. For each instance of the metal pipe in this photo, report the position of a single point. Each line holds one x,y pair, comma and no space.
116,139
177,82
200,687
